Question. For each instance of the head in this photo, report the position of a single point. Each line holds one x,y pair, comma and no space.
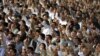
10,36
84,49
42,36
45,17
14,24
12,52
37,33
77,41
26,42
33,16
17,38
79,34
42,46
22,22
10,46
48,38
30,50
24,52
6,31
22,28
73,34
53,24
1,25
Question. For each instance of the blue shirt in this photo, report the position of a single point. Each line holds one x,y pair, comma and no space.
2,51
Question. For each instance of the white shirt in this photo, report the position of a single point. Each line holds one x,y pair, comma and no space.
80,23
64,22
47,31
81,54
28,23
51,14
6,11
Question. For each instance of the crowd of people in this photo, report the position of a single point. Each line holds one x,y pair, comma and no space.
50,28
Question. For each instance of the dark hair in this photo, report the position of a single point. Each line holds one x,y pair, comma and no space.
23,36
41,19
46,14
34,15
12,34
11,46
79,40
23,22
50,37
14,50
26,28
26,6
6,30
31,49
38,30
47,22
42,36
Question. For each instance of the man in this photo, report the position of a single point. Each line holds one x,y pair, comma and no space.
12,52
30,52
2,48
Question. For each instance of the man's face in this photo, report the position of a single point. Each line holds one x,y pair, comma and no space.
73,34
47,39
24,53
37,33
22,28
11,52
45,17
1,26
79,34
10,37
52,25
17,38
